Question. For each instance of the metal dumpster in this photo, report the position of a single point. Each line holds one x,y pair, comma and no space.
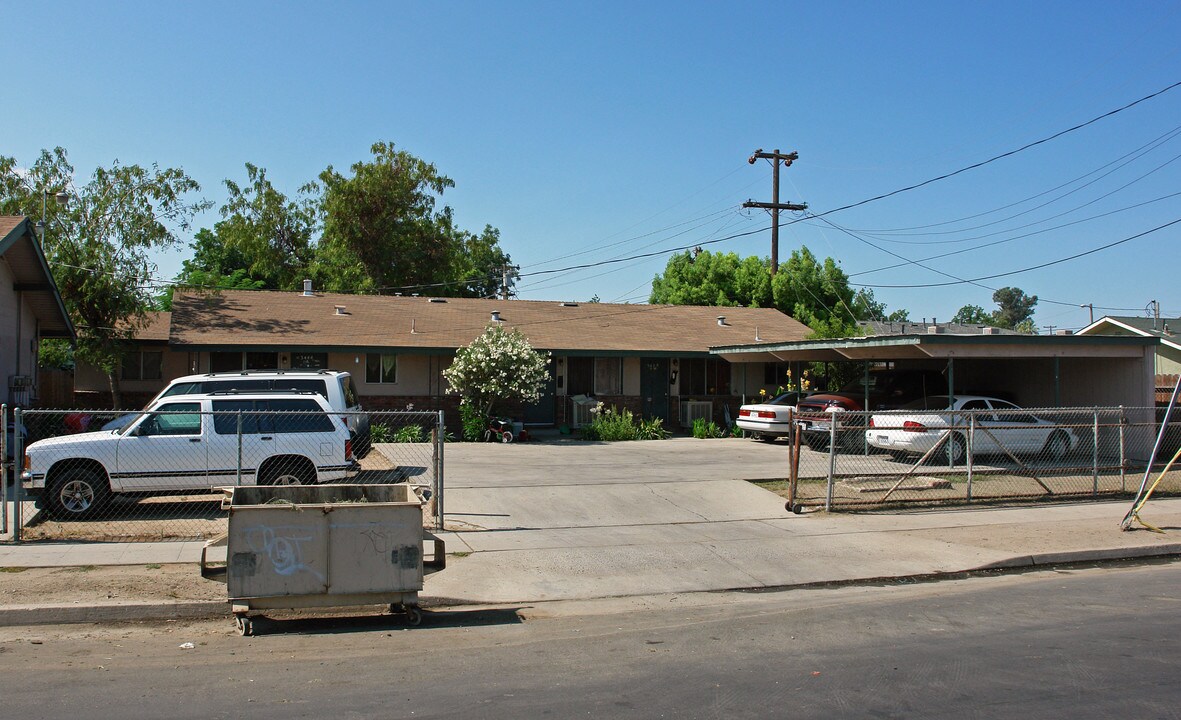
302,546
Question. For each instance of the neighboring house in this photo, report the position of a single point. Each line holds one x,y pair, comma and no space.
651,359
1168,352
30,310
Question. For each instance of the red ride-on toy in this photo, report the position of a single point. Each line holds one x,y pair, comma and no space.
499,430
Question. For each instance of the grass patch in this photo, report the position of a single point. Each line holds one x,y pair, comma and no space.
82,568
12,569
460,554
153,566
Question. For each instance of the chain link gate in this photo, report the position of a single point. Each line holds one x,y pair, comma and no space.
157,475
980,456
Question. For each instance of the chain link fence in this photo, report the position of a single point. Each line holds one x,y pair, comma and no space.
851,460
144,476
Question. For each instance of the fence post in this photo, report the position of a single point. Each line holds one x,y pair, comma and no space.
968,450
1095,455
239,480
17,463
1123,421
4,467
439,474
832,459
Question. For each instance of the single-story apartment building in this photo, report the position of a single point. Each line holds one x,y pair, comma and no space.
31,309
651,359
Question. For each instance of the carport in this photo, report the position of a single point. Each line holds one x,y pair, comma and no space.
1031,370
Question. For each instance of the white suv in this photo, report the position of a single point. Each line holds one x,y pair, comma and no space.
189,443
335,386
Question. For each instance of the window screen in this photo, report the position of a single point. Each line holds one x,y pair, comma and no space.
608,376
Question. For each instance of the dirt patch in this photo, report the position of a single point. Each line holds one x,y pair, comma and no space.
89,584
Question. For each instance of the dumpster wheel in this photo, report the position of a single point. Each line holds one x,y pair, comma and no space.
244,624
412,613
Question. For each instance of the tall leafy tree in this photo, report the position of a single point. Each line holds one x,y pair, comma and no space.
972,315
99,246
381,223
266,230
1015,308
817,294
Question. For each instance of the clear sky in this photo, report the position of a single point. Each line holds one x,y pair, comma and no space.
588,132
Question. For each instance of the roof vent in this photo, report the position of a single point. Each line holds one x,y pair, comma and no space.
568,304
722,320
307,289
934,329
1064,332
340,310
496,316
990,331
436,300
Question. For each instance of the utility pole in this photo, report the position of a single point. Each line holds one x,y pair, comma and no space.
506,273
775,206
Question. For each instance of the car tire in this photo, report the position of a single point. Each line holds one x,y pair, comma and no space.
78,494
765,438
1057,446
957,448
898,456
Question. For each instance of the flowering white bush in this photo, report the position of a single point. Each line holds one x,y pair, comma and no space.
500,365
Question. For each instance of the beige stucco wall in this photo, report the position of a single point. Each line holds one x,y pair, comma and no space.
631,376
18,335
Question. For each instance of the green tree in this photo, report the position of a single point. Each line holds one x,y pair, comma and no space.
99,246
817,294
498,366
264,233
382,230
1015,307
972,315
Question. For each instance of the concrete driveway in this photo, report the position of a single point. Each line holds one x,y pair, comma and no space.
570,484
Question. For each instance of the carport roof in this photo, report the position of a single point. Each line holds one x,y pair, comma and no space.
938,346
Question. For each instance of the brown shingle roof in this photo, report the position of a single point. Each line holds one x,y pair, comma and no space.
271,318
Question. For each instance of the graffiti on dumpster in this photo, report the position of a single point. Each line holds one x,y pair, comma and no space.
283,547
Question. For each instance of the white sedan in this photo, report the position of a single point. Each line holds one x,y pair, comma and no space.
1000,426
769,420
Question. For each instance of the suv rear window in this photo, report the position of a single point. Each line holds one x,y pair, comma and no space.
269,416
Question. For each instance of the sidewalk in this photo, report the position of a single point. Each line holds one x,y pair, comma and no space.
522,565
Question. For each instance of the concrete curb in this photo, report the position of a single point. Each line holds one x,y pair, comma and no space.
73,614
103,612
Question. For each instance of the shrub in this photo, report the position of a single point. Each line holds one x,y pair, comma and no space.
380,433
410,434
473,422
613,425
703,428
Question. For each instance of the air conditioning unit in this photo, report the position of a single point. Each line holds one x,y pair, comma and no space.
691,410
582,410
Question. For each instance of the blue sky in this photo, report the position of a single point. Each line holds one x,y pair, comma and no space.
588,132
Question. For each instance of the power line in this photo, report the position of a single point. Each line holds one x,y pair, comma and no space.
994,158
1032,267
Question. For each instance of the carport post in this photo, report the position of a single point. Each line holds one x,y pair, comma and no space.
4,467
17,463
1123,422
968,455
866,408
